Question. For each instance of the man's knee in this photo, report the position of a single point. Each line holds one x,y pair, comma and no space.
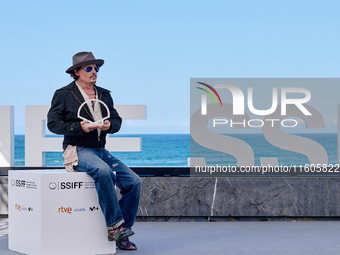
105,171
138,183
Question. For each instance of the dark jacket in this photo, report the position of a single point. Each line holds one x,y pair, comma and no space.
62,117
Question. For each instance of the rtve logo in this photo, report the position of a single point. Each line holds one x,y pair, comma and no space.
69,210
65,210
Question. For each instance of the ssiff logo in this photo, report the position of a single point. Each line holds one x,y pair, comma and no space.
65,185
18,183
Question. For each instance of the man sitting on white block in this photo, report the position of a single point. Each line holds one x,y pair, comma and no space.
84,114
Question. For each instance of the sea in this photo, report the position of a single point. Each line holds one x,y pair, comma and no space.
157,150
173,150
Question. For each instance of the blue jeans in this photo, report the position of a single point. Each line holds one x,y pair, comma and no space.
100,164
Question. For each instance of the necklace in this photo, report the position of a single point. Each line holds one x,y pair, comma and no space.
91,94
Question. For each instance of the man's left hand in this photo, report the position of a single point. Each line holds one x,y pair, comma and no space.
106,126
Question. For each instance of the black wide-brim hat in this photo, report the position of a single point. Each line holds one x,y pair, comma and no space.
82,59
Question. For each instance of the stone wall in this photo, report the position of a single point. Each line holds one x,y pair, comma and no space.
3,195
232,196
235,196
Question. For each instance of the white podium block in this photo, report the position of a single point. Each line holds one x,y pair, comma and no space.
55,212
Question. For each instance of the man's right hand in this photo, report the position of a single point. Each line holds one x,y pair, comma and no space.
87,128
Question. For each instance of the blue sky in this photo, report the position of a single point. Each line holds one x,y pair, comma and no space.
152,49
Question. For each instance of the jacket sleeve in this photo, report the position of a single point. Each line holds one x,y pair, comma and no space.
59,119
115,119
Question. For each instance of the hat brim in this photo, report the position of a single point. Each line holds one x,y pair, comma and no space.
98,62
